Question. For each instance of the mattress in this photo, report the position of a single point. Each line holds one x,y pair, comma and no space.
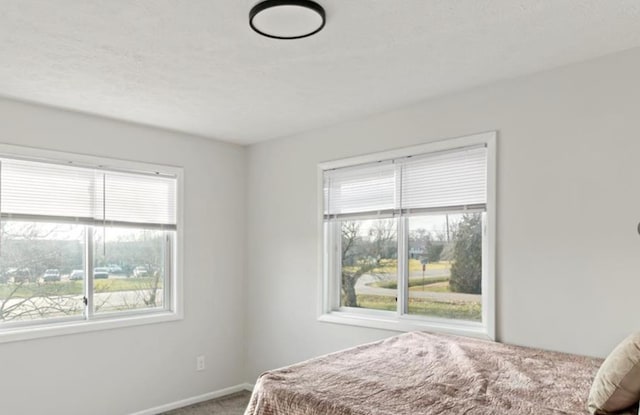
421,373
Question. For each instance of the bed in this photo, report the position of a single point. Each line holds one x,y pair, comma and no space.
421,373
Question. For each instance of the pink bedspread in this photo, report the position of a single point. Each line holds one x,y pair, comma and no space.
421,373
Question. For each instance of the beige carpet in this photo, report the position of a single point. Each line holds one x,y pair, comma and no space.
227,405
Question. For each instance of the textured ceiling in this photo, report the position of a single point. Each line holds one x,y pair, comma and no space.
196,66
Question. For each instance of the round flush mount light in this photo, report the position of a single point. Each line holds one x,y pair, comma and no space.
287,19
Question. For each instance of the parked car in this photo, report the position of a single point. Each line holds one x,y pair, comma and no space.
140,272
18,275
100,272
76,274
51,275
114,269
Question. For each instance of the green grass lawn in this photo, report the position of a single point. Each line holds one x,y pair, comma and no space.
433,287
459,310
390,266
413,282
385,266
113,285
73,287
415,265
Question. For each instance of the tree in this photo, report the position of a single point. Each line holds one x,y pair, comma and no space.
33,247
466,269
428,244
27,250
30,248
362,253
434,250
143,248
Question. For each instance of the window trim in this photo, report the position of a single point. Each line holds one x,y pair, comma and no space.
326,312
73,325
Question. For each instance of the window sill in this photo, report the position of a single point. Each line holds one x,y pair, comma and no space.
83,326
407,323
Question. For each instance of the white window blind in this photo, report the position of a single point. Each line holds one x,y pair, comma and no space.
455,179
32,190
360,189
138,199
450,179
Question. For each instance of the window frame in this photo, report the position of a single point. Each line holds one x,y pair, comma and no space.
172,310
329,309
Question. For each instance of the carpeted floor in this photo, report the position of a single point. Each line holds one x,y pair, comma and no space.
227,405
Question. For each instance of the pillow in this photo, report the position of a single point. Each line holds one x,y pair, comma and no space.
617,383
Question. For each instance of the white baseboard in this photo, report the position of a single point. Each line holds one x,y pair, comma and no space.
196,399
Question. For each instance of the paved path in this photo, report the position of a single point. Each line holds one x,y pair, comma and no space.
364,285
64,305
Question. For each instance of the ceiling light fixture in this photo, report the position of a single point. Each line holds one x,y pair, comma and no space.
287,19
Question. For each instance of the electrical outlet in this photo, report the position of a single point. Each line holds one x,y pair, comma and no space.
200,363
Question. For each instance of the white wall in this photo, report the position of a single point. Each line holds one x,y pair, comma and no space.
568,261
568,256
126,370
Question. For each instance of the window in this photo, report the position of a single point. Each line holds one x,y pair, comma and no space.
85,245
408,238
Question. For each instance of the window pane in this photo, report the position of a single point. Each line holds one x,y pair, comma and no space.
369,264
129,269
445,266
36,263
